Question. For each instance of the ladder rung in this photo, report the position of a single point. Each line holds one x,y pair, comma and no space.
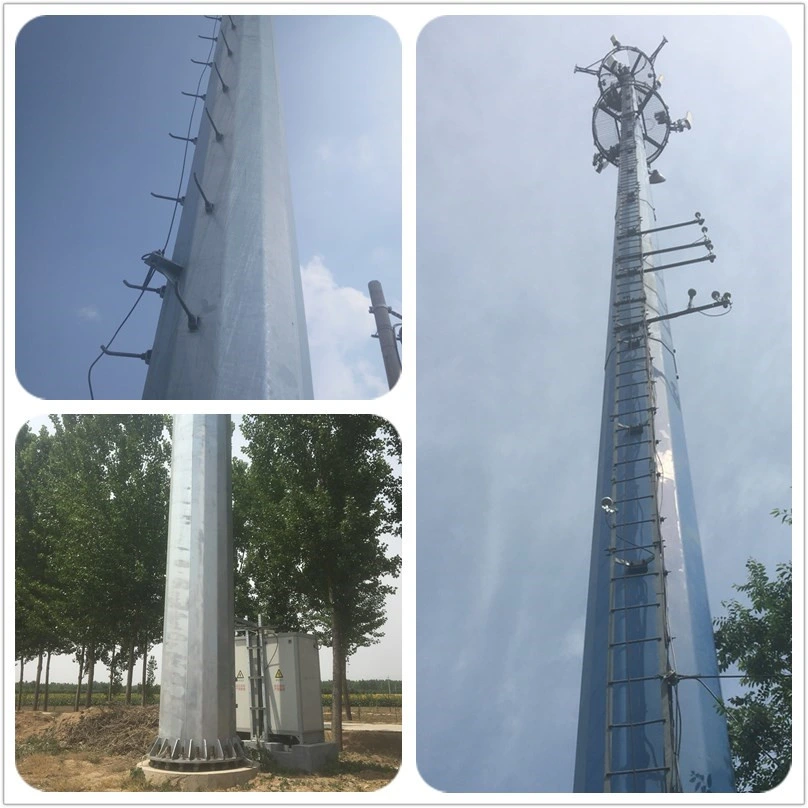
652,410
638,522
636,442
637,606
618,326
633,343
633,576
629,287
634,679
635,499
628,372
635,460
632,398
633,384
631,479
637,771
634,642
639,723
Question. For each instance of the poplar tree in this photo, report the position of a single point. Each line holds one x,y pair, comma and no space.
318,497
754,637
38,606
109,489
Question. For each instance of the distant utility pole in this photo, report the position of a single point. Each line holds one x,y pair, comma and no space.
386,332
232,324
197,731
648,720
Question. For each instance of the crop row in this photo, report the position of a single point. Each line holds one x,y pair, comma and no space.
68,699
369,700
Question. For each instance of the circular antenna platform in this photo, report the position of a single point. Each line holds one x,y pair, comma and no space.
625,61
656,124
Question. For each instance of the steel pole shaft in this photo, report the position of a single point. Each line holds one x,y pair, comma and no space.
241,274
197,695
648,612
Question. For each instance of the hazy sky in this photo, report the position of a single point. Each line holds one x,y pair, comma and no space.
514,249
95,100
379,661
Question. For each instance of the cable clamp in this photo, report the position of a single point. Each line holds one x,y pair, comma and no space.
180,137
180,200
161,290
157,261
146,357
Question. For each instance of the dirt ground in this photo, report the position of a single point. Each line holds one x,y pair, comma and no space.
97,750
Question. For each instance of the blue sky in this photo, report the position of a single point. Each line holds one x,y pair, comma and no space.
95,100
514,249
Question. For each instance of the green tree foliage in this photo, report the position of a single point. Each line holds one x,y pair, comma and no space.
38,603
312,509
755,638
101,513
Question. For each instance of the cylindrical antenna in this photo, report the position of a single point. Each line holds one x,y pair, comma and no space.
385,333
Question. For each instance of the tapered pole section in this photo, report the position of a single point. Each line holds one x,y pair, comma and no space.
385,333
642,727
236,243
197,697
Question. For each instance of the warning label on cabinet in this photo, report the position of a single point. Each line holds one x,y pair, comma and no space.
278,674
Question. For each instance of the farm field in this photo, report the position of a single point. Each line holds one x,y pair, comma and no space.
97,750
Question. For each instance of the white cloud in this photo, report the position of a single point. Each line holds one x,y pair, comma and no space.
339,333
88,313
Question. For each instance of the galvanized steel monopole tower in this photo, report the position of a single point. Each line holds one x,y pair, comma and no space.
232,324
197,729
648,720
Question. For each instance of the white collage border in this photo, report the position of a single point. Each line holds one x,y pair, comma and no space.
398,406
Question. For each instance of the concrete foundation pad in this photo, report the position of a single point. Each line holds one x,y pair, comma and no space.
197,781
305,757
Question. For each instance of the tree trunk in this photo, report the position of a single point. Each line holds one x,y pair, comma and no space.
47,683
81,675
336,690
111,674
130,668
143,677
345,694
19,699
88,702
38,680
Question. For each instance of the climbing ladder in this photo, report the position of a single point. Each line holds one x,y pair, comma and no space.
639,729
256,679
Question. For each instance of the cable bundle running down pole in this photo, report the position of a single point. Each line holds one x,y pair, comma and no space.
150,273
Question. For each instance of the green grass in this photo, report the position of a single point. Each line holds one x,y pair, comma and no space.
37,745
